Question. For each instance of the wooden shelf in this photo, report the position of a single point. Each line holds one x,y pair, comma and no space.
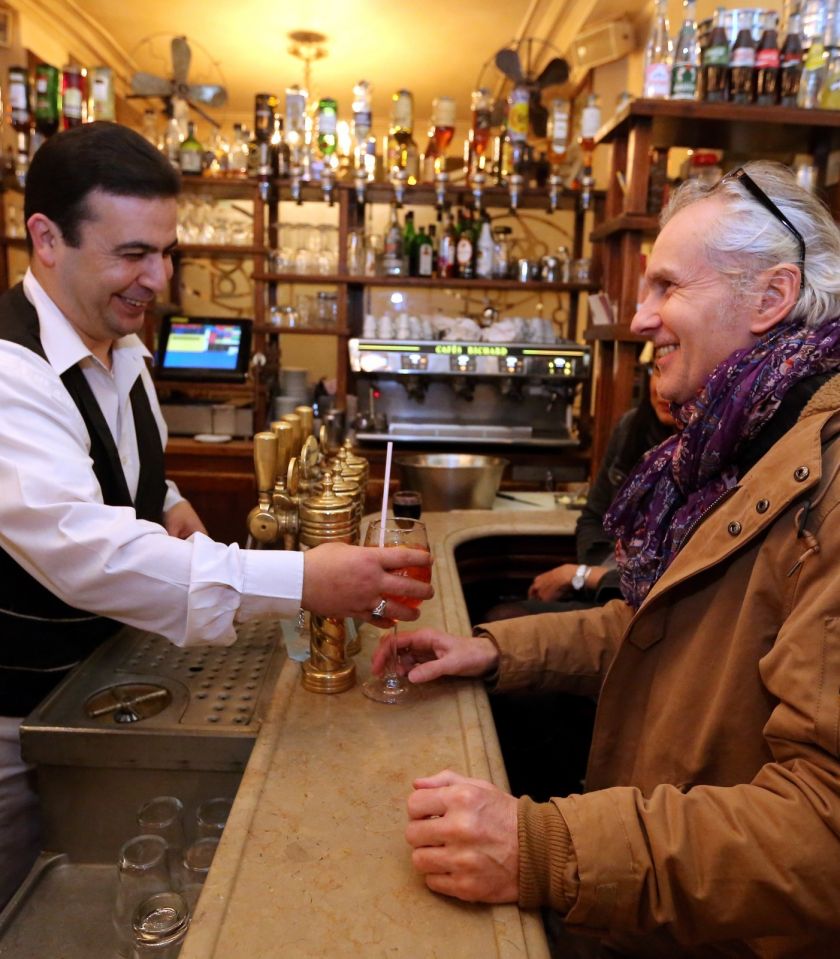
619,224
15,241
231,188
270,328
218,250
726,126
422,282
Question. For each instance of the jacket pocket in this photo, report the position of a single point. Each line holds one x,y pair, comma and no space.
827,717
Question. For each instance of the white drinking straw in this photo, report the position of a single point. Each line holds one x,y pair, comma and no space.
385,493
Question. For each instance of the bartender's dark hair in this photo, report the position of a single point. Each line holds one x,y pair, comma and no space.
95,156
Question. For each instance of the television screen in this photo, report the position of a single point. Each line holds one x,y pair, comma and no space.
204,348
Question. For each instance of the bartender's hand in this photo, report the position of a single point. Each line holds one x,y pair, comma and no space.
557,583
342,580
464,834
427,654
182,521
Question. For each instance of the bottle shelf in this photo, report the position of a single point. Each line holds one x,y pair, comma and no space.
14,241
423,282
269,328
619,224
220,250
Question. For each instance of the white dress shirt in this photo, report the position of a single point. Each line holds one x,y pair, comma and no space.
102,558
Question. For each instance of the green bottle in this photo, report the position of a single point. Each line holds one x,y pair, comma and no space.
191,154
410,243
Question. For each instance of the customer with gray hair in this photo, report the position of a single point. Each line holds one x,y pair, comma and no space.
710,823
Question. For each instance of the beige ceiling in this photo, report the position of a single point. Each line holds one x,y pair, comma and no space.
435,47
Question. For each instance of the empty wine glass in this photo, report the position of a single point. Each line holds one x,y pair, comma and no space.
390,687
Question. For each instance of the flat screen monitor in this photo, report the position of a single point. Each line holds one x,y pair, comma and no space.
203,348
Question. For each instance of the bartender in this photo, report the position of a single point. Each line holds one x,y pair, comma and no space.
91,533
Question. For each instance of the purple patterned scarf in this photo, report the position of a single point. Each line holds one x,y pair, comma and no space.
678,481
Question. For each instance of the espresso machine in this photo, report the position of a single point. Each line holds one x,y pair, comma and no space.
464,392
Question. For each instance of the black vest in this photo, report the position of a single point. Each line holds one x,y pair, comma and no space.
41,637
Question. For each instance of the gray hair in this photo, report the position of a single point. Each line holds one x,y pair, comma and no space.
749,239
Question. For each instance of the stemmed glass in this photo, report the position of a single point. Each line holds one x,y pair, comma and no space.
391,687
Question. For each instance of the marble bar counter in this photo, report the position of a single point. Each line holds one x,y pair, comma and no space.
313,861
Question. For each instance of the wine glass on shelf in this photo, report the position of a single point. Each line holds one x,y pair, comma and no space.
407,504
390,687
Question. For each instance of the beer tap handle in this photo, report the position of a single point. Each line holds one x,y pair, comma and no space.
285,435
295,422
265,461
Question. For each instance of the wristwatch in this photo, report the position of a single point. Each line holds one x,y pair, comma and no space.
579,579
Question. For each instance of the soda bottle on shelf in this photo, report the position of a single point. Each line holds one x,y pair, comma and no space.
481,103
813,69
72,96
440,136
790,62
47,115
485,250
296,121
767,63
716,62
239,150
686,70
424,253
659,53
465,251
742,60
829,97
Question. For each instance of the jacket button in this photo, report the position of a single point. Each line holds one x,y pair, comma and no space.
762,506
734,528
801,473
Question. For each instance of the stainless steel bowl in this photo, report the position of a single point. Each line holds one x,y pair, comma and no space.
452,480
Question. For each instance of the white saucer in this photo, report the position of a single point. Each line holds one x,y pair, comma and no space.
212,437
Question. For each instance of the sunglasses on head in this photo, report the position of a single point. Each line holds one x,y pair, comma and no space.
757,193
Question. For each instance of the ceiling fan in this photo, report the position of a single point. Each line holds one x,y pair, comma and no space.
177,86
509,60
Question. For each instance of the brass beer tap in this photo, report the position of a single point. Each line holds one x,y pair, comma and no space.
262,521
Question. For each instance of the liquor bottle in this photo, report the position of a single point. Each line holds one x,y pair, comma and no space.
465,251
102,102
172,138
557,131
790,62
446,249
281,162
402,150
425,253
484,257
767,63
479,136
362,120
150,128
830,89
686,71
409,244
742,60
239,150
72,96
47,112
265,105
392,260
659,52
191,154
296,122
716,62
440,136
19,105
327,128
516,130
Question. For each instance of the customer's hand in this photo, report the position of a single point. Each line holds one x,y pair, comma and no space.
427,654
464,834
342,580
557,583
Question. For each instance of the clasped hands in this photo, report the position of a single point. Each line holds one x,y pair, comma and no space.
463,831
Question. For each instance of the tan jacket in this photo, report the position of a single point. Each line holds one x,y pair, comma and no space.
711,821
